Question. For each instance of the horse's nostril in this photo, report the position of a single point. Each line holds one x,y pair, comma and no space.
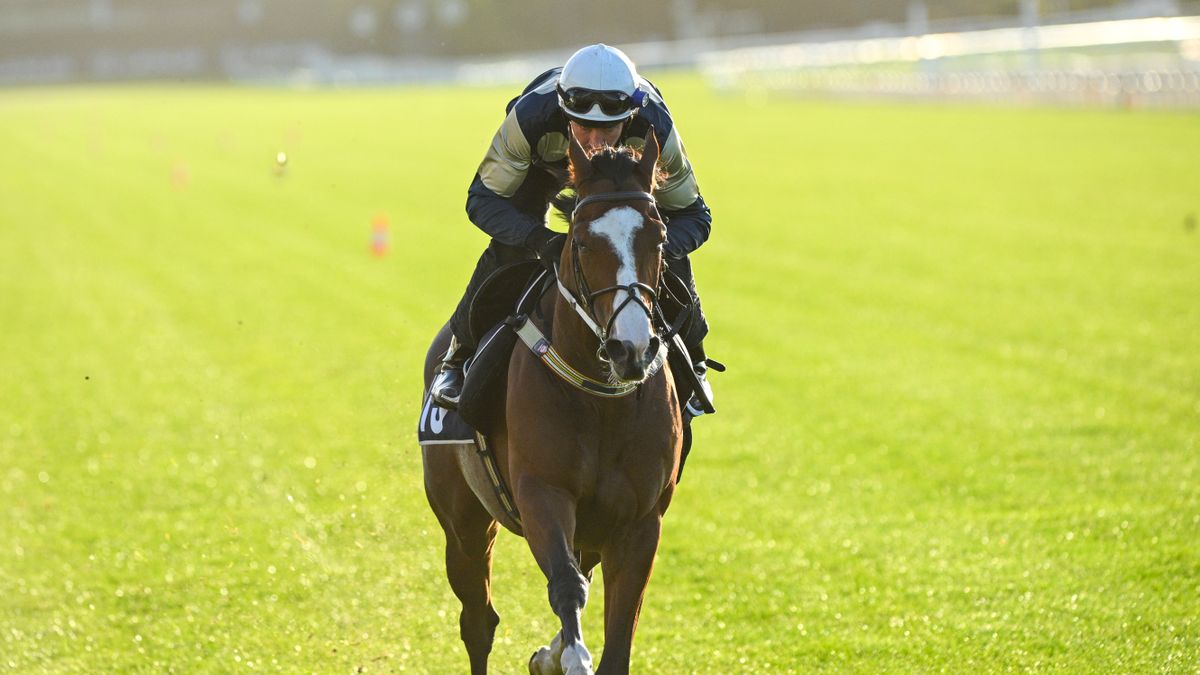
617,350
647,357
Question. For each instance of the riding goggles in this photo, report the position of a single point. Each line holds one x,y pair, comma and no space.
581,101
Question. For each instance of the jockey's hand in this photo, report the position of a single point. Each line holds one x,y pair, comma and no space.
548,245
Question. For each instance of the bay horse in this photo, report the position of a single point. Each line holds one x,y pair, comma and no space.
591,464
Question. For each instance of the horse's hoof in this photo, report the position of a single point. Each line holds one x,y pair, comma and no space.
576,660
544,662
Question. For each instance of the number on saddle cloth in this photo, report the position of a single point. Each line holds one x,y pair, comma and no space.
482,402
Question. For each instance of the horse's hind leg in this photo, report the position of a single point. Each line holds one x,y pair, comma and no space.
587,561
470,533
469,567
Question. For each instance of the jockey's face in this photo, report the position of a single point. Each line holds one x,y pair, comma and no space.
594,138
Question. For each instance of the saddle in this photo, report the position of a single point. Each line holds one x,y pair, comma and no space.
487,369
494,331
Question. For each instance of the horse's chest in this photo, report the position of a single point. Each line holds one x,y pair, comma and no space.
632,472
634,450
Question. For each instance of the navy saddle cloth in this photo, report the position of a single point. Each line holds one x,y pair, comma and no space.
439,426
483,394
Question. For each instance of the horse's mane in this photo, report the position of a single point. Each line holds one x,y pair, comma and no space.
615,164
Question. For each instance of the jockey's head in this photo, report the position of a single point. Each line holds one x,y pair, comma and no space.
598,92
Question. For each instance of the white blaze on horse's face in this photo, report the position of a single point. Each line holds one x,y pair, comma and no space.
620,226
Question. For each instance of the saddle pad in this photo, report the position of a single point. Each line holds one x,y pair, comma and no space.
439,426
482,400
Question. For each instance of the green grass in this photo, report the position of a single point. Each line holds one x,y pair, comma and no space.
959,431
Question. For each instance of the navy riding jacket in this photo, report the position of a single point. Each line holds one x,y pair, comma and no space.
526,166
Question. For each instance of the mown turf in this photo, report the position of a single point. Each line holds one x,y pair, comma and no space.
959,431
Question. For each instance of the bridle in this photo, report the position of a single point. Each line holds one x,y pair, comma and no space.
540,345
584,304
622,196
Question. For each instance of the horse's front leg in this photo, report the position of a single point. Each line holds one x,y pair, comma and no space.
627,560
548,519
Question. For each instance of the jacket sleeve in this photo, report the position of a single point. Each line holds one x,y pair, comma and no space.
497,216
689,220
687,228
502,171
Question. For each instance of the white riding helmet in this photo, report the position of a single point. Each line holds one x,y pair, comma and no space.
598,86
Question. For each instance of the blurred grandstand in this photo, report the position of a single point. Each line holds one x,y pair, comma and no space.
1139,52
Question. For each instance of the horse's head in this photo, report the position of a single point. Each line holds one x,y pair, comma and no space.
615,242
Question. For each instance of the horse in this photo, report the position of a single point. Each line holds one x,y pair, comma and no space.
592,466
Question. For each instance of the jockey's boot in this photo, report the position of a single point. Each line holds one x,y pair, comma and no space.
447,385
695,407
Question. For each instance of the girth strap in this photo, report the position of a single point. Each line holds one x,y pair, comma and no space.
484,451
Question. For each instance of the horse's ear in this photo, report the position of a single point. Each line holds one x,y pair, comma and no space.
649,158
581,166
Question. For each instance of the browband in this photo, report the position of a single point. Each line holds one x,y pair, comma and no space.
627,196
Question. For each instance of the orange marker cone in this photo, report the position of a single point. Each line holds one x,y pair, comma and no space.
379,236
181,175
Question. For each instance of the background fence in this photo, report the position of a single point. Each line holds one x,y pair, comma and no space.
1144,62
1141,53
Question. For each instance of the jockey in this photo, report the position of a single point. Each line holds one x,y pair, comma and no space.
598,97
